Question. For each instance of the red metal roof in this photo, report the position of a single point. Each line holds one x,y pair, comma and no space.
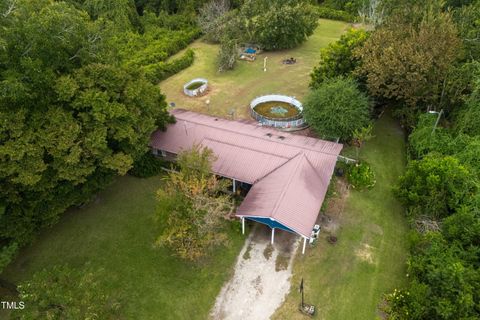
291,195
262,156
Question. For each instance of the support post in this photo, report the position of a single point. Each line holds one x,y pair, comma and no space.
234,186
273,234
243,225
304,244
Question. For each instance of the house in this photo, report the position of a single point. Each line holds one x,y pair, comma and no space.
289,174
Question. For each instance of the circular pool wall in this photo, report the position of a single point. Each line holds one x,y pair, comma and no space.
278,111
195,87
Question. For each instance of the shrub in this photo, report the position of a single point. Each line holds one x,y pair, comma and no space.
160,71
435,186
361,176
329,13
7,253
337,108
148,166
337,59
469,118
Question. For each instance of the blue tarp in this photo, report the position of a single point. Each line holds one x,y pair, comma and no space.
250,51
271,223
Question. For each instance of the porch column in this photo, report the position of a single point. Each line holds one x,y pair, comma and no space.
273,234
304,244
234,186
243,225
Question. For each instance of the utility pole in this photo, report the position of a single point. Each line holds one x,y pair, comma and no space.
438,118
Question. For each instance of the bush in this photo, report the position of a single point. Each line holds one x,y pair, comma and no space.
435,186
7,253
329,13
337,108
283,25
162,70
148,166
469,119
361,176
337,59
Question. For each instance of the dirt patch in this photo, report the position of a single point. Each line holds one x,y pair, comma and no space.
259,285
267,253
246,254
281,263
365,253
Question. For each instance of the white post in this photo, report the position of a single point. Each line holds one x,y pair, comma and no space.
265,64
304,244
234,186
273,234
243,225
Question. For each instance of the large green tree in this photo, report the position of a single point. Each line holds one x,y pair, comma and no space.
70,117
337,108
408,59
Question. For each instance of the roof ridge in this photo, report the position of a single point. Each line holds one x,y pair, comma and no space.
250,135
290,178
248,148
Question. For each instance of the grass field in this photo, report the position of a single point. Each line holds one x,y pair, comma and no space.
116,232
235,89
347,280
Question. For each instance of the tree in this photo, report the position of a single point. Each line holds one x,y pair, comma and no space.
191,206
469,117
409,57
337,108
337,59
467,19
435,186
211,19
70,119
281,24
64,292
227,56
443,285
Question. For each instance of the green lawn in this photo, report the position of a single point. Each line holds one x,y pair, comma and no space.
347,280
235,89
116,232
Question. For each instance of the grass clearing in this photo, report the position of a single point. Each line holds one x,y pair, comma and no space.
117,232
347,280
236,88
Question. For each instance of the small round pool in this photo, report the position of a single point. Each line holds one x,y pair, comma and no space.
278,111
195,87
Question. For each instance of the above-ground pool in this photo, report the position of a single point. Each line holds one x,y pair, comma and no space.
278,111
195,87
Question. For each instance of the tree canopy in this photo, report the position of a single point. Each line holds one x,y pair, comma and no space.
64,292
337,108
409,57
337,59
75,109
192,206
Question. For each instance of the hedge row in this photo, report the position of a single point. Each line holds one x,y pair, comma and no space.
329,13
159,71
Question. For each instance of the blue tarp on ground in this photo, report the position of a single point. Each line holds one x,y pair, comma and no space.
250,51
271,223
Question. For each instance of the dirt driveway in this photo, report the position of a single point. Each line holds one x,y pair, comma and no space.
261,279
